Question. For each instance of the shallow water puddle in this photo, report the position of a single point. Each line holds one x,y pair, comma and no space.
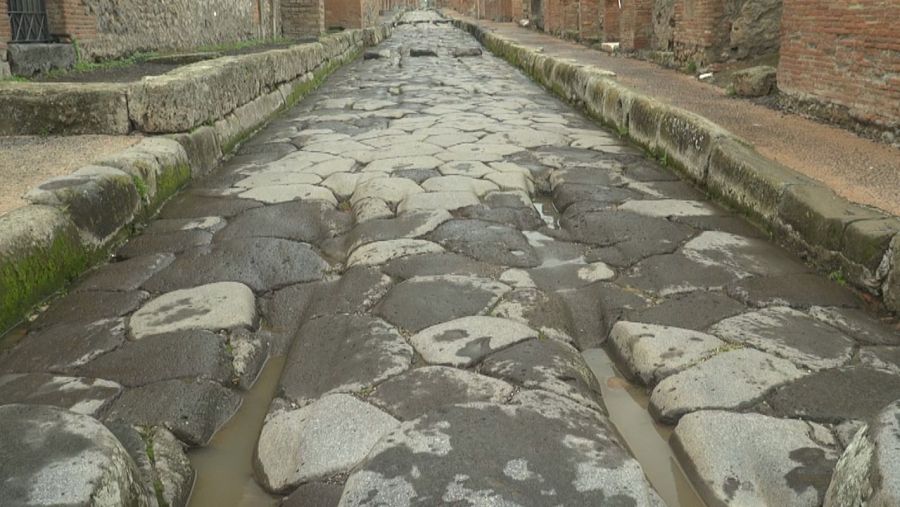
648,441
225,467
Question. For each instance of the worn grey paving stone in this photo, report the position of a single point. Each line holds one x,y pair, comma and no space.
126,275
59,349
437,201
435,264
546,312
409,225
833,396
752,459
789,334
59,457
675,274
315,494
421,390
563,275
222,305
694,310
169,474
751,375
342,354
210,224
309,222
857,324
881,358
381,252
261,263
317,441
742,255
421,302
88,396
358,290
868,473
486,242
483,453
518,218
190,205
74,309
566,194
548,365
185,354
191,409
651,352
590,325
465,341
636,236
171,243
793,290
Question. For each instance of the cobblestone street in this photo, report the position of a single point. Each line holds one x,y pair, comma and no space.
423,253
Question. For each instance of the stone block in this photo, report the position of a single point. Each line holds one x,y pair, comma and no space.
30,59
5,71
747,180
100,201
40,250
891,287
687,141
233,128
866,244
202,149
617,102
819,216
754,81
63,108
643,121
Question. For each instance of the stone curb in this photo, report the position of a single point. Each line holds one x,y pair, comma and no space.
181,100
74,221
860,243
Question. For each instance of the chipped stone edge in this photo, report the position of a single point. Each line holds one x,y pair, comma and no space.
43,248
855,243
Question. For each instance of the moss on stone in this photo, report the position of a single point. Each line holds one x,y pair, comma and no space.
169,181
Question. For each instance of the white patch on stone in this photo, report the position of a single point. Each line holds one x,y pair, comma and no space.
668,208
380,252
448,201
223,305
464,341
595,272
274,194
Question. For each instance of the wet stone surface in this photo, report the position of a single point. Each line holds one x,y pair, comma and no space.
429,242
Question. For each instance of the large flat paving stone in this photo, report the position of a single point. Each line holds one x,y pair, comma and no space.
799,290
421,302
465,341
55,457
406,226
127,275
88,396
261,263
308,222
751,375
834,396
752,459
438,263
343,354
223,305
486,241
546,364
868,473
62,348
191,409
424,389
488,454
651,352
790,334
545,311
380,252
319,440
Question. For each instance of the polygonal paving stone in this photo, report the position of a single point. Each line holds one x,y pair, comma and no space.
342,354
486,241
389,190
856,324
563,275
501,455
55,457
834,396
408,225
433,264
392,165
273,178
223,305
676,275
669,208
794,290
371,209
465,341
62,348
548,365
634,236
694,310
602,196
459,184
511,181
438,201
191,205
76,309
88,396
127,275
309,222
546,312
167,243
191,409
651,352
751,459
274,194
789,334
380,252
315,494
422,390
317,441
751,375
470,168
886,359
424,301
261,263
743,256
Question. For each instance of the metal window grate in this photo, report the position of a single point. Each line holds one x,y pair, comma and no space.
28,19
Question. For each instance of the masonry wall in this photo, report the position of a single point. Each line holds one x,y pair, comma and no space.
611,14
635,24
709,31
846,53
343,14
302,18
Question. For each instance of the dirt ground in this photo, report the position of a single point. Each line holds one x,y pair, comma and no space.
26,161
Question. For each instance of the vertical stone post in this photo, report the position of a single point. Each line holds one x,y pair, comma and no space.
302,18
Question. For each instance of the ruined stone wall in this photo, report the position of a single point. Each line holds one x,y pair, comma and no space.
844,53
708,31
663,37
573,19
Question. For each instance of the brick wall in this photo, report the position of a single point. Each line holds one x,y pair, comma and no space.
343,14
302,18
497,10
846,53
71,20
5,29
611,14
575,19
708,31
635,24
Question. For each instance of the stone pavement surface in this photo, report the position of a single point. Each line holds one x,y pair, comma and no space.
862,171
394,237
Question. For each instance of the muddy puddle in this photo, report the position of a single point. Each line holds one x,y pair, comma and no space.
225,467
647,441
